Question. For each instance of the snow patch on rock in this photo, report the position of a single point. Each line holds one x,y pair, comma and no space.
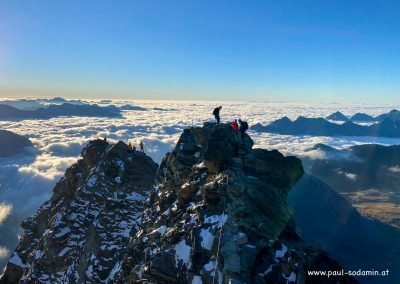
197,280
216,220
280,253
207,239
182,254
16,260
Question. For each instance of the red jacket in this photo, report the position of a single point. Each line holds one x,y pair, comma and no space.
235,125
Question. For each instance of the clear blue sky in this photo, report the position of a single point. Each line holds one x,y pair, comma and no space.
262,50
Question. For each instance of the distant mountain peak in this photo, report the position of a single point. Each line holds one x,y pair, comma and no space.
362,117
12,143
337,116
64,109
322,127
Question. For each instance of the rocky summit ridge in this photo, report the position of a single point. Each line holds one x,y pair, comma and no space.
214,211
80,234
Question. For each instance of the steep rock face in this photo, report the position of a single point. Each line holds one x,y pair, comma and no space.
81,234
219,215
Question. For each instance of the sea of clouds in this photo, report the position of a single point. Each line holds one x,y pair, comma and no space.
26,180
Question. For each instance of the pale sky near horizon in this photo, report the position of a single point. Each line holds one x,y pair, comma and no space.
222,50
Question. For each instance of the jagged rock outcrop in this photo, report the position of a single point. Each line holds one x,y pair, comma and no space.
81,234
219,215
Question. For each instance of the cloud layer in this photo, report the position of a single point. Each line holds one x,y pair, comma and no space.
5,210
26,180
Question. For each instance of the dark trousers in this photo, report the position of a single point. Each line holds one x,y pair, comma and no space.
217,118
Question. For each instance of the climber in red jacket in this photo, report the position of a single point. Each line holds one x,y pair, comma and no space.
235,125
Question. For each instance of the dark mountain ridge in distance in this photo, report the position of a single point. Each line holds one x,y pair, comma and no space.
363,117
65,109
34,104
322,127
338,116
366,174
12,144
393,114
328,221
374,165
132,107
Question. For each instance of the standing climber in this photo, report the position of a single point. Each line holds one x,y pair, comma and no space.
216,114
130,149
141,146
244,126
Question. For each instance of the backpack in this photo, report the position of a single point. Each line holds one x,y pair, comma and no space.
215,112
244,126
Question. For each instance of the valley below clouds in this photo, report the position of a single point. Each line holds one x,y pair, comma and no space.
26,180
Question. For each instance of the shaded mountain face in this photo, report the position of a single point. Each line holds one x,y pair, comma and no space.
337,116
363,117
322,127
393,115
358,167
12,144
368,174
83,231
327,220
132,107
217,212
33,104
66,109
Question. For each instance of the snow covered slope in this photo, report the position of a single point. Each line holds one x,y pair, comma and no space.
82,233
